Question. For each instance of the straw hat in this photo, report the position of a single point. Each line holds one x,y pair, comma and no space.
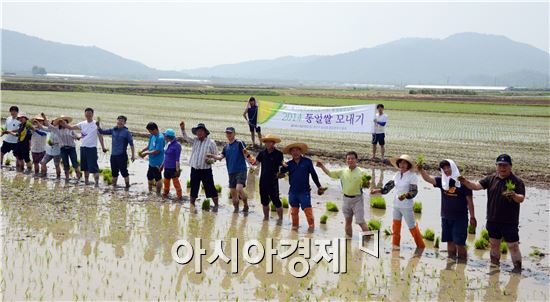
22,115
62,117
303,147
38,118
271,138
404,157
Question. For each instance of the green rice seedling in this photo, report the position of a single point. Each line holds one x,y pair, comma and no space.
417,207
481,243
374,225
420,160
378,202
365,180
536,253
510,186
272,207
485,234
218,187
331,207
388,232
284,201
429,235
471,229
503,247
188,184
206,204
50,142
436,244
324,219
8,161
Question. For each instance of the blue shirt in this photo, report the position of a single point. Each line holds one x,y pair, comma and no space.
298,174
156,142
122,137
172,155
234,157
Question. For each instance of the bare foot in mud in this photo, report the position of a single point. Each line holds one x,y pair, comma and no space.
280,221
245,209
235,210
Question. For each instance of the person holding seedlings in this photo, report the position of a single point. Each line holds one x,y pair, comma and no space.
23,146
67,144
122,137
456,201
405,183
271,160
88,147
171,164
299,169
351,179
155,151
378,137
505,193
235,154
201,165
53,151
10,141
38,143
251,116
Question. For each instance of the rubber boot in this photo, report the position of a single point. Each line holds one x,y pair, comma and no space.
310,218
415,232
396,229
295,219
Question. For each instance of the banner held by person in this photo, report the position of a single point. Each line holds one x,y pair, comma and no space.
357,119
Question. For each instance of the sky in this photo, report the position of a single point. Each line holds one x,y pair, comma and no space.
184,35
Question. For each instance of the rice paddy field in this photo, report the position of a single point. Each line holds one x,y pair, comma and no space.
473,134
68,241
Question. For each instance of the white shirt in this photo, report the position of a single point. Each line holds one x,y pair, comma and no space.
380,118
402,185
12,124
89,134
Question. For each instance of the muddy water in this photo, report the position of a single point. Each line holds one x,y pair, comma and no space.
70,241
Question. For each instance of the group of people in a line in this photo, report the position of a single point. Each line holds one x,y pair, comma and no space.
55,139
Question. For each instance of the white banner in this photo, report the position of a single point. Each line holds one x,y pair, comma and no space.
359,119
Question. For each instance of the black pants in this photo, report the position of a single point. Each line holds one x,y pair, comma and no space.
269,191
205,176
119,163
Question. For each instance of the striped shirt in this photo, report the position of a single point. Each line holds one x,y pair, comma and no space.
66,136
199,150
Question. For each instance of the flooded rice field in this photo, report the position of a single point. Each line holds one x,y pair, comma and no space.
68,241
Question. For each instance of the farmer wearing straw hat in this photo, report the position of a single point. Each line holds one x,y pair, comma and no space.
236,155
23,146
405,183
351,179
38,143
299,169
505,193
201,165
67,144
271,160
122,137
10,141
456,201
88,146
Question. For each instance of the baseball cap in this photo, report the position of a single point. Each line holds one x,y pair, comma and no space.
504,159
229,130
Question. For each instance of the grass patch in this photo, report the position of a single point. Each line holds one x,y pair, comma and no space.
481,243
206,204
323,219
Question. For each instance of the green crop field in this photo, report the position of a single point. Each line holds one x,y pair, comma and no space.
472,134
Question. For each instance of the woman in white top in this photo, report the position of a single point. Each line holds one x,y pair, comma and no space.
405,184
